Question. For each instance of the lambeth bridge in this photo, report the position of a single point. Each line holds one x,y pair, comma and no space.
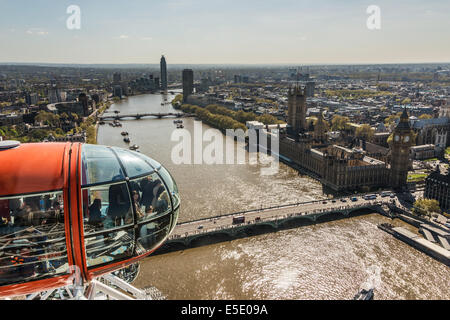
138,116
253,222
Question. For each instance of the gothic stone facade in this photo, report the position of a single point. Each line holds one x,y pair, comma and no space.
437,187
337,167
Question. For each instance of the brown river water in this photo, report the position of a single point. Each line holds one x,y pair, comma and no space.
332,260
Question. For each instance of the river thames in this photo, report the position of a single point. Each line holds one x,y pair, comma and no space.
331,260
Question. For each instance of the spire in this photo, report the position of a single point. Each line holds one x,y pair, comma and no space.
320,117
404,114
404,121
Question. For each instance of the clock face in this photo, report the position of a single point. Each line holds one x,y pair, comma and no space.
406,138
397,138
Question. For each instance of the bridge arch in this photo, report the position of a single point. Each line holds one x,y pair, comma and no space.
172,245
211,238
330,216
259,228
354,212
296,221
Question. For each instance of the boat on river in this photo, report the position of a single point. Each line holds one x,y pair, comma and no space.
134,147
364,295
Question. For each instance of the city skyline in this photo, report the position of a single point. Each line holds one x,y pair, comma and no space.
201,32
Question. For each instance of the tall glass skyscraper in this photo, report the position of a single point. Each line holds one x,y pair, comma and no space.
163,66
188,83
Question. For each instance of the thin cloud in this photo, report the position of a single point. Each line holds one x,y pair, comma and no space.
37,31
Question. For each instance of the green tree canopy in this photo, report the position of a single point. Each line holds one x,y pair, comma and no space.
426,206
406,101
392,118
268,119
48,118
339,123
365,131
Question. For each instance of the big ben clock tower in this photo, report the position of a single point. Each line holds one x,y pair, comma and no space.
400,149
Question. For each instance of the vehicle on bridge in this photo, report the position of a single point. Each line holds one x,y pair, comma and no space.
354,199
72,209
134,147
369,196
238,220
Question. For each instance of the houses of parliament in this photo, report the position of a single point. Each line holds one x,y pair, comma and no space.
338,167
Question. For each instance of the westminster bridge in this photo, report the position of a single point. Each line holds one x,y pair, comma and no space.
224,227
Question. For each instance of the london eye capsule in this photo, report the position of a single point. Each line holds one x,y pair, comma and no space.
72,206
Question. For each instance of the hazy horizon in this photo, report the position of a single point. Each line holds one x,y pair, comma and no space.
209,32
50,64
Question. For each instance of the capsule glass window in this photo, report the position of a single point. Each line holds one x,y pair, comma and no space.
150,197
99,164
134,166
171,184
108,223
32,238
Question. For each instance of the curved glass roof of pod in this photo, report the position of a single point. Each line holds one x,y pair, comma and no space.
134,165
101,164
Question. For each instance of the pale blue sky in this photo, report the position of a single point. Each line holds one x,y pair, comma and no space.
210,31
